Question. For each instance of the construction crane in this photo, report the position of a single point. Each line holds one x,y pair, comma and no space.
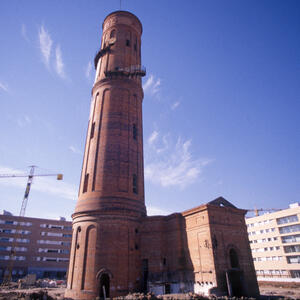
12,256
257,210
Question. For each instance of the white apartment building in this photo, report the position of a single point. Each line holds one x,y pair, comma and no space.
275,244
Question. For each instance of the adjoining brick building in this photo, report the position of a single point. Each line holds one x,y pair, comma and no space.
275,244
116,249
42,246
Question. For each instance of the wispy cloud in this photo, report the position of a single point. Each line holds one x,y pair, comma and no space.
152,85
175,105
152,137
24,32
172,164
23,121
158,143
59,64
45,45
3,87
74,149
88,70
47,185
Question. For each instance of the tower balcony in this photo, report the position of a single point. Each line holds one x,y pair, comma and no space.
134,70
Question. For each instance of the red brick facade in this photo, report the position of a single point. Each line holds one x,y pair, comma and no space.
116,248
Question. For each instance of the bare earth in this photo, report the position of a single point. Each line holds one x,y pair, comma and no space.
267,290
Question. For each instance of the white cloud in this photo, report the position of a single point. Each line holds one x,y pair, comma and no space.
88,70
45,45
152,85
74,149
156,143
24,32
175,105
48,185
172,165
59,64
156,211
152,137
3,87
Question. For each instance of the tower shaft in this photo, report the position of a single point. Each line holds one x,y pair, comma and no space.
105,256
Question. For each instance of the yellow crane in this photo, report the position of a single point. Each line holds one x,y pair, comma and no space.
257,210
31,175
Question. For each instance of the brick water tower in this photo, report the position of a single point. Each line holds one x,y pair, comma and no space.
105,254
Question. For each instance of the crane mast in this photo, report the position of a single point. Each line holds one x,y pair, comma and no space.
12,256
25,199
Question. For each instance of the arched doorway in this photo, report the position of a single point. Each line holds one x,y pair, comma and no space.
234,275
234,260
104,286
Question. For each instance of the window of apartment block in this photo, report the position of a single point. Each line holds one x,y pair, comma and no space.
287,219
288,229
293,248
290,238
295,273
54,234
293,259
23,240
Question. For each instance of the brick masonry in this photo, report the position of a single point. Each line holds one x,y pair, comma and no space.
115,245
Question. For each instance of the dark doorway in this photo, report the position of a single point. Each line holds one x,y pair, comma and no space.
235,282
104,286
234,260
144,275
167,288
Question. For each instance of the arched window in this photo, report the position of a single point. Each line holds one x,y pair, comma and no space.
135,43
134,184
134,131
128,38
234,260
112,33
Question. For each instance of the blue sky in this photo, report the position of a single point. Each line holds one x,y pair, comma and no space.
221,106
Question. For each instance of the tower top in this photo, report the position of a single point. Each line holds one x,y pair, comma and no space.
116,17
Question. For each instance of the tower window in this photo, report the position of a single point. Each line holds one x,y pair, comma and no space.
134,131
128,43
112,34
92,130
85,184
164,261
134,184
135,44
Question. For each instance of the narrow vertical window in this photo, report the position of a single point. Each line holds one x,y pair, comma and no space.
134,131
92,130
134,183
128,43
85,184
135,44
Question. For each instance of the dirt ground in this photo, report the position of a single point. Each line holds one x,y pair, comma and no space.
279,290
267,290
